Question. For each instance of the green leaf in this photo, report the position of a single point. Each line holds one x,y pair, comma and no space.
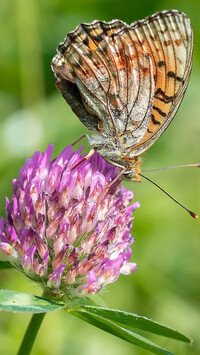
112,327
5,265
133,322
23,302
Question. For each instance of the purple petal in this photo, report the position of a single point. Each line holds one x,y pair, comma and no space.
56,276
27,260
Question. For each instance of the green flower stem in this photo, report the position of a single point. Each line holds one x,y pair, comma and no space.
31,333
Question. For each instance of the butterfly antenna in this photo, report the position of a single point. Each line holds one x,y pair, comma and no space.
174,167
194,215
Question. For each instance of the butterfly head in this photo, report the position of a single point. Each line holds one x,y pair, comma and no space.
133,172
110,149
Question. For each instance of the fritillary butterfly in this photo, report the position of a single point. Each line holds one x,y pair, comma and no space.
125,83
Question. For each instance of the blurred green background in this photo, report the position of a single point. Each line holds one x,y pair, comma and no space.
32,114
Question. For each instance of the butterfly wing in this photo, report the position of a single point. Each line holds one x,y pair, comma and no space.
81,76
168,38
103,72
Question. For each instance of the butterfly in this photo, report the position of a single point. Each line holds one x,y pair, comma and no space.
126,82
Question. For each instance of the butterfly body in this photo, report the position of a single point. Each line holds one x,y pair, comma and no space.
125,83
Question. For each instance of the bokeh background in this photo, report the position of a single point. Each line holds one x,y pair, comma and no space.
32,114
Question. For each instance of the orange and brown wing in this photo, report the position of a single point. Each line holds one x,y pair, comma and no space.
83,72
107,78
168,38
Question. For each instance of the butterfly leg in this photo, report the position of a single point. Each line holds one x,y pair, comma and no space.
78,140
91,152
116,179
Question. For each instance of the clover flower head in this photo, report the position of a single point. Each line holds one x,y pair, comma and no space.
67,227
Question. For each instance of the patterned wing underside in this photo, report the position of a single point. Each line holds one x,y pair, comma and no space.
114,76
169,40
131,78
